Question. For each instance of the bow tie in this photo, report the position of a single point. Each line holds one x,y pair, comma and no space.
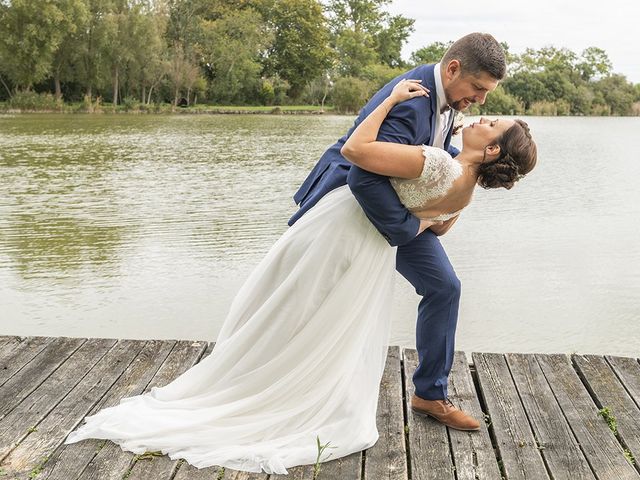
444,109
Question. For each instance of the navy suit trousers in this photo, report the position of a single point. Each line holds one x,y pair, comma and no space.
424,263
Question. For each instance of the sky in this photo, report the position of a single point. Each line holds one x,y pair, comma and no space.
613,25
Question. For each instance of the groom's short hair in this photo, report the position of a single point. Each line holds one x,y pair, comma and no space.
478,52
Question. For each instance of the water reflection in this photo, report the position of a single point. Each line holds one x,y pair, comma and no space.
57,246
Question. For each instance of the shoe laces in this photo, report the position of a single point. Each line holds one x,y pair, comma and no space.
447,401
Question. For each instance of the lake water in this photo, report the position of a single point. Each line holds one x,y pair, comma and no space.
145,227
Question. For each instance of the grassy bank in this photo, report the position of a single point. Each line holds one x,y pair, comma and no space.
80,107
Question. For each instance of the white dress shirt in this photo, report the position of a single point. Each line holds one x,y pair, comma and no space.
442,119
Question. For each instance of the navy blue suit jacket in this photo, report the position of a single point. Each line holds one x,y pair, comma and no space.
410,122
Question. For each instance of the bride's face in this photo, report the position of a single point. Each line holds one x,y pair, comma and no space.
485,132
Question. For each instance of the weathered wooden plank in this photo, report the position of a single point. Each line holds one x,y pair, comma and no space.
345,468
387,458
16,352
184,355
554,438
16,425
52,431
111,462
628,370
602,450
472,451
69,461
429,449
20,385
609,392
516,445
189,472
302,472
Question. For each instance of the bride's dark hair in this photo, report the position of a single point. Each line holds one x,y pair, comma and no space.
518,156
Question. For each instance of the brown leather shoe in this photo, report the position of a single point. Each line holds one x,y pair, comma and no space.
445,412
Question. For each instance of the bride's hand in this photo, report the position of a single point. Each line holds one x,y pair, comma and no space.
406,89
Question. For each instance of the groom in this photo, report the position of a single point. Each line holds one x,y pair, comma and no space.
470,68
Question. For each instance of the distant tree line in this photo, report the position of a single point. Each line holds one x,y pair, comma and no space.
260,52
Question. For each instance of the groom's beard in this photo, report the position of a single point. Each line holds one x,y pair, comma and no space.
461,105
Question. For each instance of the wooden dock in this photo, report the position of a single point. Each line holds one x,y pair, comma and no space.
545,416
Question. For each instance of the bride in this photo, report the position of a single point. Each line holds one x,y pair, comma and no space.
301,353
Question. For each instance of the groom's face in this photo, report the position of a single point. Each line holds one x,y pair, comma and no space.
463,89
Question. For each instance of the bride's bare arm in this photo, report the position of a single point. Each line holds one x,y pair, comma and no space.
386,158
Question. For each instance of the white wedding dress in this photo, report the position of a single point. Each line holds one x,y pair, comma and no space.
299,356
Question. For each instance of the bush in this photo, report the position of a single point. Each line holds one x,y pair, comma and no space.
34,101
380,75
350,94
544,108
499,102
130,104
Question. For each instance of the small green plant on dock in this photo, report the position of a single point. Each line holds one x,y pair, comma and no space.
3,472
38,468
629,456
610,419
32,429
321,449
220,474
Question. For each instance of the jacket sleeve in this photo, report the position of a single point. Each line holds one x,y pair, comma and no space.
374,192
453,151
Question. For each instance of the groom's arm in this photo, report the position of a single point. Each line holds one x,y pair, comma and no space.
374,192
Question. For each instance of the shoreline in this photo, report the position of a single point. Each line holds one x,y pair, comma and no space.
252,111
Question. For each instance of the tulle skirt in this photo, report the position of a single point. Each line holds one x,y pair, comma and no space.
299,357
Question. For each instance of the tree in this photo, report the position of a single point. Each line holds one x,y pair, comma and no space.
31,34
390,39
77,15
527,87
364,34
299,51
617,92
432,53
595,63
501,103
231,49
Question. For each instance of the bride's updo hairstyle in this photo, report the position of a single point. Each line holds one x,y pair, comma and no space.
518,155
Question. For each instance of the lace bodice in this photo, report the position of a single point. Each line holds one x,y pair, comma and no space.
439,172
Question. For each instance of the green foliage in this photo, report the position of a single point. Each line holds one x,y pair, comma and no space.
300,48
379,75
389,40
31,34
274,90
610,419
131,104
32,101
350,94
617,93
499,102
231,50
365,34
432,53
269,52
321,448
